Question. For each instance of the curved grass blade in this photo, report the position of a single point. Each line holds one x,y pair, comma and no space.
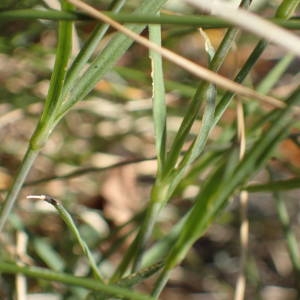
73,228
159,118
86,52
46,123
202,93
193,68
107,58
216,192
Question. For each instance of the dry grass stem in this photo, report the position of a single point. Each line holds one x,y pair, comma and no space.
250,22
244,229
184,63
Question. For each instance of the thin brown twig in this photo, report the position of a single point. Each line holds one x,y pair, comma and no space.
184,63
83,171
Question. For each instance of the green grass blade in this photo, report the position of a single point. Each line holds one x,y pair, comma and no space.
201,139
159,118
242,74
86,51
214,195
35,14
287,8
54,97
127,259
186,20
278,185
201,93
162,247
92,284
163,189
140,276
159,105
45,124
208,114
73,228
14,190
258,50
107,58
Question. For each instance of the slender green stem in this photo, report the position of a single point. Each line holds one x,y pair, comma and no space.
35,14
95,285
106,59
86,52
127,259
137,277
13,193
159,118
158,95
201,93
73,228
161,282
187,20
226,99
46,123
199,143
218,188
145,232
163,189
278,185
287,8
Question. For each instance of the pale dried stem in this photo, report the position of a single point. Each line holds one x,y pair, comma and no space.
21,281
250,22
184,63
244,229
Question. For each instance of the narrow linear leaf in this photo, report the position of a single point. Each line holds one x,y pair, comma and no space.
159,105
73,228
86,52
208,204
107,58
46,123
186,64
216,61
203,21
276,185
42,273
287,8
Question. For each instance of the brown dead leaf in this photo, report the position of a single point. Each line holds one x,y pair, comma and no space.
121,192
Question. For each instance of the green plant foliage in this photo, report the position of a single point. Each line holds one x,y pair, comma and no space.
110,105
